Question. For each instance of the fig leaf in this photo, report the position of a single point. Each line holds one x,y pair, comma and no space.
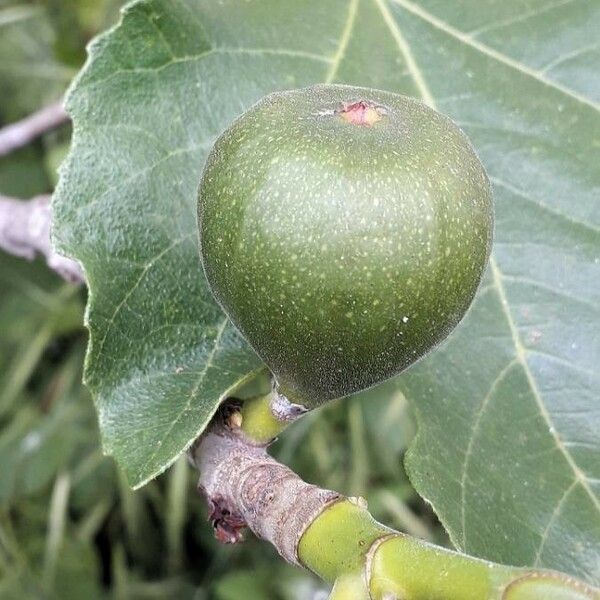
508,450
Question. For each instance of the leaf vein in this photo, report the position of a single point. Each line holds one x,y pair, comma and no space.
514,190
406,52
491,52
192,394
595,307
569,56
344,39
471,443
137,174
220,50
562,361
136,284
518,18
555,514
521,355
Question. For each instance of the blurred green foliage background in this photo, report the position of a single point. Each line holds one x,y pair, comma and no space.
69,525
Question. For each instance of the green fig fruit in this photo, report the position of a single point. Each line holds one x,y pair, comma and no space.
344,231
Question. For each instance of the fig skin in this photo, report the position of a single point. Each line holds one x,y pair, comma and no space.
344,231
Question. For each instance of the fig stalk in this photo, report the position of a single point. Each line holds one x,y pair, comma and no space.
263,418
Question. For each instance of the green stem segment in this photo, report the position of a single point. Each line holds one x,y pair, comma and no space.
345,544
258,421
